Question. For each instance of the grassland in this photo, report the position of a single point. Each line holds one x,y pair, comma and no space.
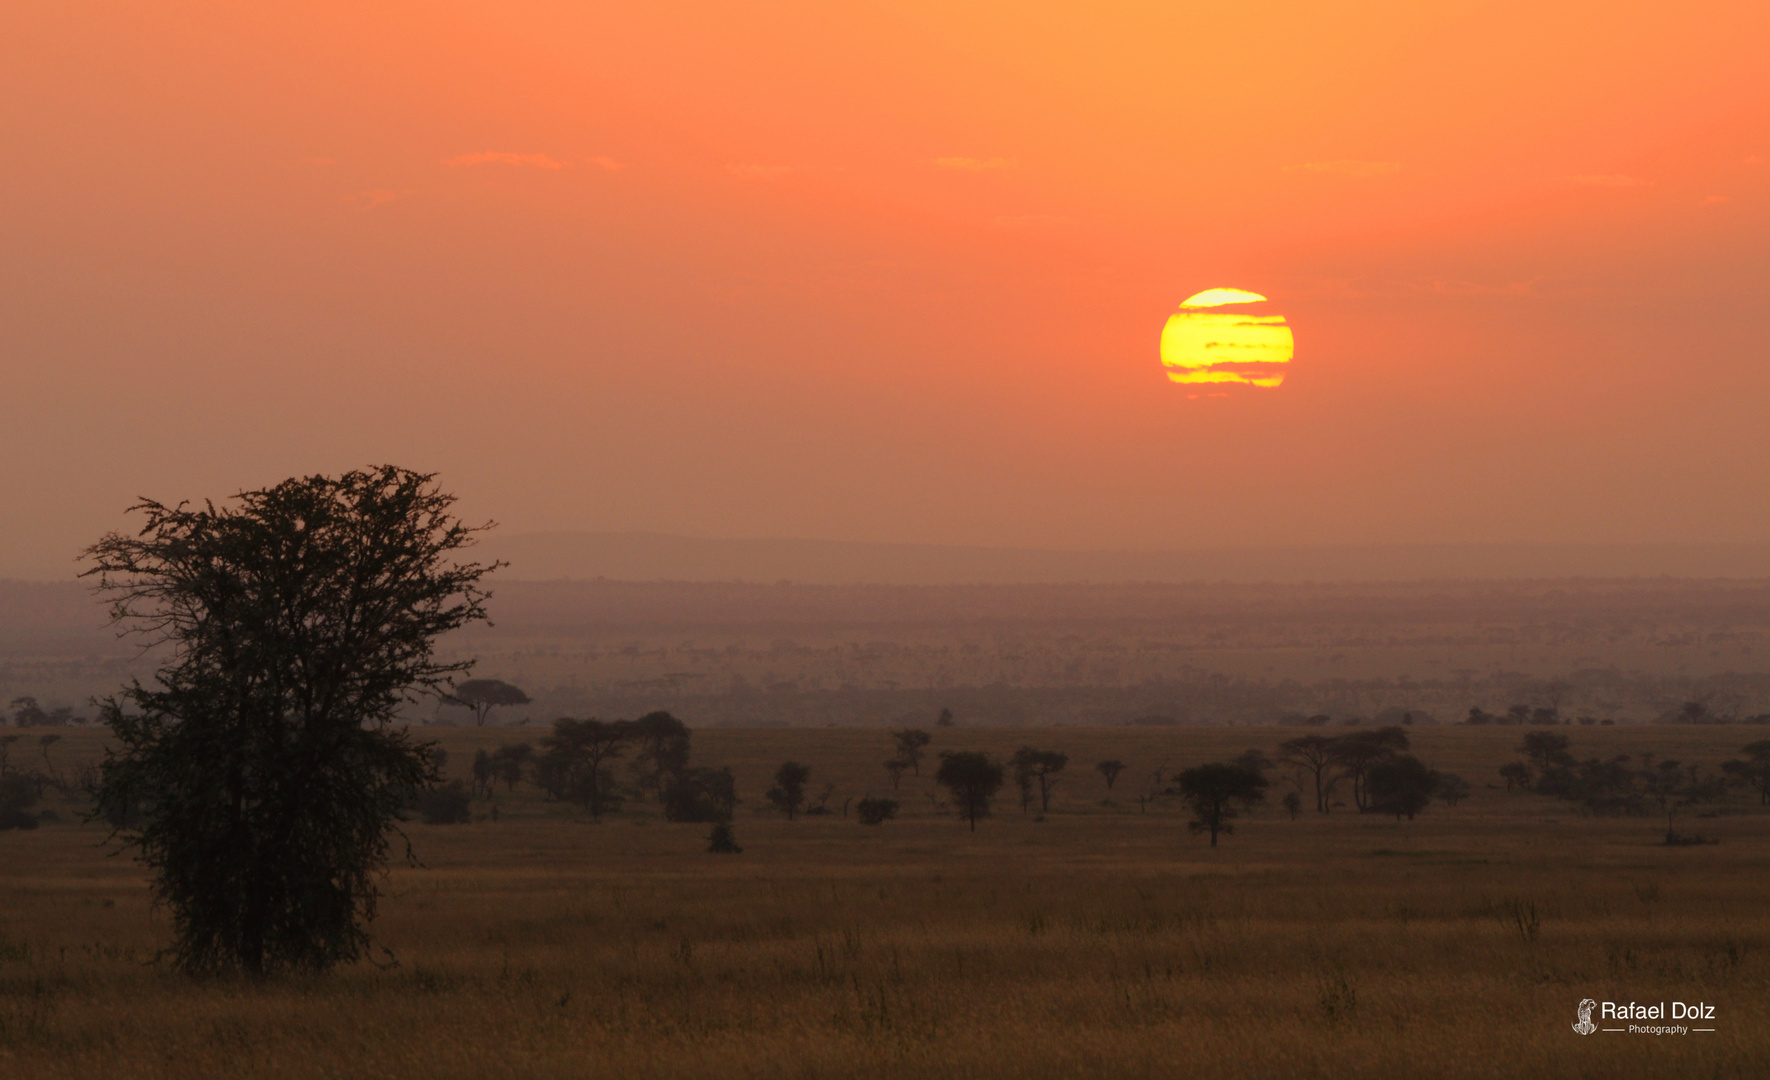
1102,940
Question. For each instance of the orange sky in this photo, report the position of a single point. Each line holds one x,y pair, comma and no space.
892,271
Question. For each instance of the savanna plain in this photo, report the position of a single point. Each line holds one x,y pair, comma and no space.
1100,938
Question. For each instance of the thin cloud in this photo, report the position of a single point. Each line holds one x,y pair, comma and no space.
758,172
500,157
1348,167
971,164
1607,180
608,163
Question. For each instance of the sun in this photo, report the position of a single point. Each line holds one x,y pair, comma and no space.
1214,349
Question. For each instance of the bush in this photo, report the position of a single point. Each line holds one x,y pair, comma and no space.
701,795
873,811
449,804
722,841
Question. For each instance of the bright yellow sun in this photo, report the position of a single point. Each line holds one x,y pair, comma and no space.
1210,348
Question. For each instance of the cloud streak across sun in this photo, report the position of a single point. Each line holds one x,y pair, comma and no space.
1205,346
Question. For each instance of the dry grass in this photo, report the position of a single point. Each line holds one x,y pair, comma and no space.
1100,941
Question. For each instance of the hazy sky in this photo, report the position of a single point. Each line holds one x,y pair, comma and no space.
892,271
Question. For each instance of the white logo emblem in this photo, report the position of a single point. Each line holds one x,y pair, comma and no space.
1585,1025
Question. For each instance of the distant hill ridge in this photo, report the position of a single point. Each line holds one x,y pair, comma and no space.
637,556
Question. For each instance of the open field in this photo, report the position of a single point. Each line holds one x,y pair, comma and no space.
1100,941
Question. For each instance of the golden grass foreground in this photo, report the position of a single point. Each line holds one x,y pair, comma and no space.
1100,941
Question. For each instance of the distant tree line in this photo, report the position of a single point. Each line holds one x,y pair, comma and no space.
577,764
1629,785
27,713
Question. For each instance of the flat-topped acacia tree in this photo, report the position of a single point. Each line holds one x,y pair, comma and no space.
484,695
262,771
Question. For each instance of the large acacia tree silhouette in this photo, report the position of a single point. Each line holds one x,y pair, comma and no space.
261,773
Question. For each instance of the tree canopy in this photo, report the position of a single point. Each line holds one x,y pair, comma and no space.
912,746
1401,785
483,695
1753,770
663,751
1037,768
573,767
972,779
788,792
1357,752
1215,792
262,769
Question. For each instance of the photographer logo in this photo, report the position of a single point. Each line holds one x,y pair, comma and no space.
1658,1014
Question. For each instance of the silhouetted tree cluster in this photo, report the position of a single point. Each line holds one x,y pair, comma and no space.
1539,715
1405,785
577,766
27,713
574,765
701,794
1621,786
505,764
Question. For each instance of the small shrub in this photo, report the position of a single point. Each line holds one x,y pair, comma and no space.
873,811
1677,839
1523,917
1337,998
723,841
